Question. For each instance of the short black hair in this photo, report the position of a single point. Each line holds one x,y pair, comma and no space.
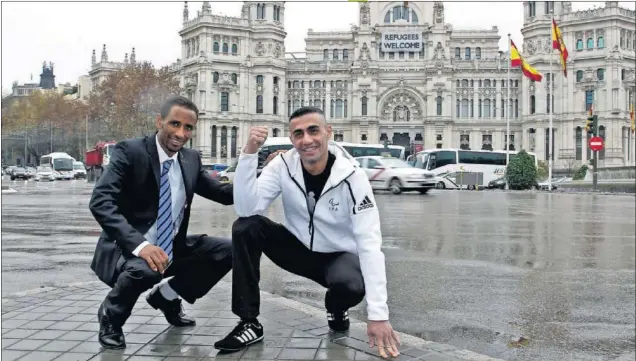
177,100
306,110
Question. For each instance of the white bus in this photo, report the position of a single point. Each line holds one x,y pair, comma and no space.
273,144
61,163
446,163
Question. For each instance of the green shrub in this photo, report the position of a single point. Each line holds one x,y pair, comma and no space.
521,172
580,173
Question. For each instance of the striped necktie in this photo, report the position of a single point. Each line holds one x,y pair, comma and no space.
164,218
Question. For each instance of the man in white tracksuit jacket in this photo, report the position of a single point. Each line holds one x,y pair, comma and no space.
331,233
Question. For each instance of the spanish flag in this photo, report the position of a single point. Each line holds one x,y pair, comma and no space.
517,61
557,43
631,116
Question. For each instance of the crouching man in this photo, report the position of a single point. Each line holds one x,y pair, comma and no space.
331,233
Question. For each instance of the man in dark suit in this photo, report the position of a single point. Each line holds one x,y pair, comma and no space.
142,202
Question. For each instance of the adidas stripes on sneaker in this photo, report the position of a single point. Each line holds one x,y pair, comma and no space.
243,335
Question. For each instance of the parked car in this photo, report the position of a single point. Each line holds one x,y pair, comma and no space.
44,173
20,173
227,175
214,169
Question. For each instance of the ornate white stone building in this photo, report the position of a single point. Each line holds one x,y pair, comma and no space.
448,88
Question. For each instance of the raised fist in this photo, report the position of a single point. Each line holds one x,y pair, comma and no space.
255,140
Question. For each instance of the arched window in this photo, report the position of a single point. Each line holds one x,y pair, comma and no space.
486,108
579,44
467,51
215,77
600,42
516,108
325,54
335,54
532,104
600,74
590,43
289,108
401,13
215,47
464,108
465,83
579,75
275,105
364,105
317,84
225,48
438,100
339,108
478,53
458,53
234,78
259,79
259,104
234,49
225,101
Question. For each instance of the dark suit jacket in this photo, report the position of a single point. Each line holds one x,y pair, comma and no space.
125,201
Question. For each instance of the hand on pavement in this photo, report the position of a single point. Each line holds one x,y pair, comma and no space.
255,140
156,258
381,334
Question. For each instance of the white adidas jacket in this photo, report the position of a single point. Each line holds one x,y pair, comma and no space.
345,218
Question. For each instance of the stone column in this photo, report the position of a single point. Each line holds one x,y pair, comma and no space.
218,144
229,146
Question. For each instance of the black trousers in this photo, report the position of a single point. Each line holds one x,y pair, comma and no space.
252,236
202,264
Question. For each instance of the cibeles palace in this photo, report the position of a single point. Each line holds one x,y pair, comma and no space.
405,75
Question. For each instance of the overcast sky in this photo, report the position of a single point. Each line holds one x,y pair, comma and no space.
65,33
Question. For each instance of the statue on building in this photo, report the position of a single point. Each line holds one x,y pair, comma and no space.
185,12
365,14
438,11
94,58
104,54
439,52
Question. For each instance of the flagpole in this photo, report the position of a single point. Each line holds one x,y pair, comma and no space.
508,106
550,106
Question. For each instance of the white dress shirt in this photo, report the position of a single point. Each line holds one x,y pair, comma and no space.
178,197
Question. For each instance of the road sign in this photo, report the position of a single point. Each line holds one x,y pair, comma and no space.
596,144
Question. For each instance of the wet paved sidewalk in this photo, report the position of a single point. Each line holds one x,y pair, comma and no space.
60,324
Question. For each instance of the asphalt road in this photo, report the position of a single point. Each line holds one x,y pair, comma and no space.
473,269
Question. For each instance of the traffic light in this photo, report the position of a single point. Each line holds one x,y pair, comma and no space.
589,125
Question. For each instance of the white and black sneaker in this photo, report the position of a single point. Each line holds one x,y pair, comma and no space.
338,321
243,335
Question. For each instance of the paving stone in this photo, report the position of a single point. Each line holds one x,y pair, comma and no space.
40,356
10,355
75,357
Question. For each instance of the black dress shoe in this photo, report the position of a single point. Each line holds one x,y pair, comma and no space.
173,310
110,336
